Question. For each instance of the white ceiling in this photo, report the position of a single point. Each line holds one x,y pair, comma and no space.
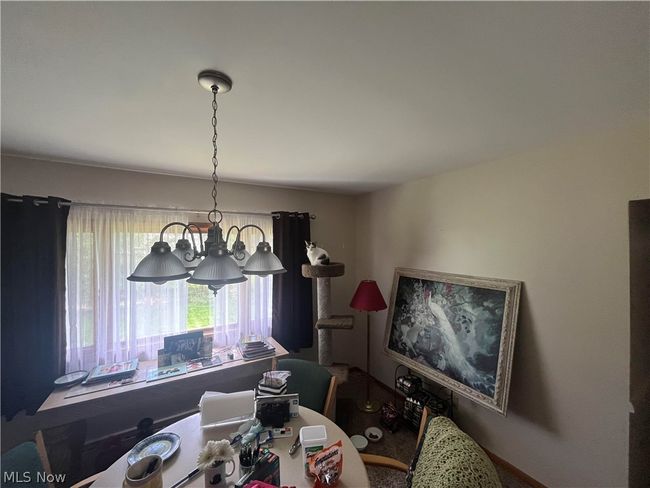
336,96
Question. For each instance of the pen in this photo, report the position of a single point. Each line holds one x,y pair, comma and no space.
187,478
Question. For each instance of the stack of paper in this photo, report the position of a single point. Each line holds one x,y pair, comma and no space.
256,349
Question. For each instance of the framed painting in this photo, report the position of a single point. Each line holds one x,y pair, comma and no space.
456,330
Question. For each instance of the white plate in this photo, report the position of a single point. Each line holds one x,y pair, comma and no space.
71,378
164,444
374,434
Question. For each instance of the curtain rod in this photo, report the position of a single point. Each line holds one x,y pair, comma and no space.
161,209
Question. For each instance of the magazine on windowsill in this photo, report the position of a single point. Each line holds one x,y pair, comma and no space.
112,372
154,374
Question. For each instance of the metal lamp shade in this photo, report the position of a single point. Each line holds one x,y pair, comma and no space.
184,251
263,262
218,268
159,266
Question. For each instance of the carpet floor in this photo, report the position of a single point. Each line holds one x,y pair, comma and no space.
399,445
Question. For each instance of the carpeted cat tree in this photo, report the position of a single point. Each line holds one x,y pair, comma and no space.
326,323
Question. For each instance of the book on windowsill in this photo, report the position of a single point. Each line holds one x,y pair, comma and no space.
257,355
252,340
154,374
255,349
112,372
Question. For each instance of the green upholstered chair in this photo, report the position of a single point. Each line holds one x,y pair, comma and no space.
315,385
21,464
446,457
31,457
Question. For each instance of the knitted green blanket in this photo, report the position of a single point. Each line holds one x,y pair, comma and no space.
449,458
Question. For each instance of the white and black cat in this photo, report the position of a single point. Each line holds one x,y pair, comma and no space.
317,255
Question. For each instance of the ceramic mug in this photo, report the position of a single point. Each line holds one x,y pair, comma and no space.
215,475
145,473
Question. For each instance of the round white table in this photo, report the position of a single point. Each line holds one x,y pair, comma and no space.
193,438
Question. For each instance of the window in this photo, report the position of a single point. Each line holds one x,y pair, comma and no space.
111,319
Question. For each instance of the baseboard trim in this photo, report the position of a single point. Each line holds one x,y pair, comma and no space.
513,470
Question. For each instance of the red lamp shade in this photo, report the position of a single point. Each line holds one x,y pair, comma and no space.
368,297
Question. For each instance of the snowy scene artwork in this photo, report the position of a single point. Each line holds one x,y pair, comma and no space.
456,330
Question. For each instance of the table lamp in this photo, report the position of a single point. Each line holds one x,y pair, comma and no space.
368,298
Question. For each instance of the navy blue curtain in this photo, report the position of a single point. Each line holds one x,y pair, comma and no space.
293,318
33,299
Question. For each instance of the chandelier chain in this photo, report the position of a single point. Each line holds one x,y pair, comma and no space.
215,161
218,268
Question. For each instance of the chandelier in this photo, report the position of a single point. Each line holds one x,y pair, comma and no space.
214,264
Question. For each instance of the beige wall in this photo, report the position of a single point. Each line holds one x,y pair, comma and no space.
556,219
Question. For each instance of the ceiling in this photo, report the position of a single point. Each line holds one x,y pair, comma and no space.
336,96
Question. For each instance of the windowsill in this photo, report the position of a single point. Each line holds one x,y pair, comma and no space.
201,379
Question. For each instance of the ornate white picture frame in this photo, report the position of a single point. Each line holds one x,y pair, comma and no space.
456,330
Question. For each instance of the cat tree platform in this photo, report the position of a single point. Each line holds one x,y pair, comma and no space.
336,322
332,270
326,322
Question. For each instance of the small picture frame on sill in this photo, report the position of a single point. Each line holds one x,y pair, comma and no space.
164,358
184,347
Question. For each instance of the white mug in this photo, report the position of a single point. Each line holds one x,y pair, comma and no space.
215,476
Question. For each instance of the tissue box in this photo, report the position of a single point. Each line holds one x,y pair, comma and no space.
264,390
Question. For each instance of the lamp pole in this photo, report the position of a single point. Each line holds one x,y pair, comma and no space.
368,298
368,406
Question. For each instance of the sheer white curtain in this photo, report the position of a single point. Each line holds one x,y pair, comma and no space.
111,319
244,309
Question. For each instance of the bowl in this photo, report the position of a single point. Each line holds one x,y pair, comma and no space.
360,442
374,434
